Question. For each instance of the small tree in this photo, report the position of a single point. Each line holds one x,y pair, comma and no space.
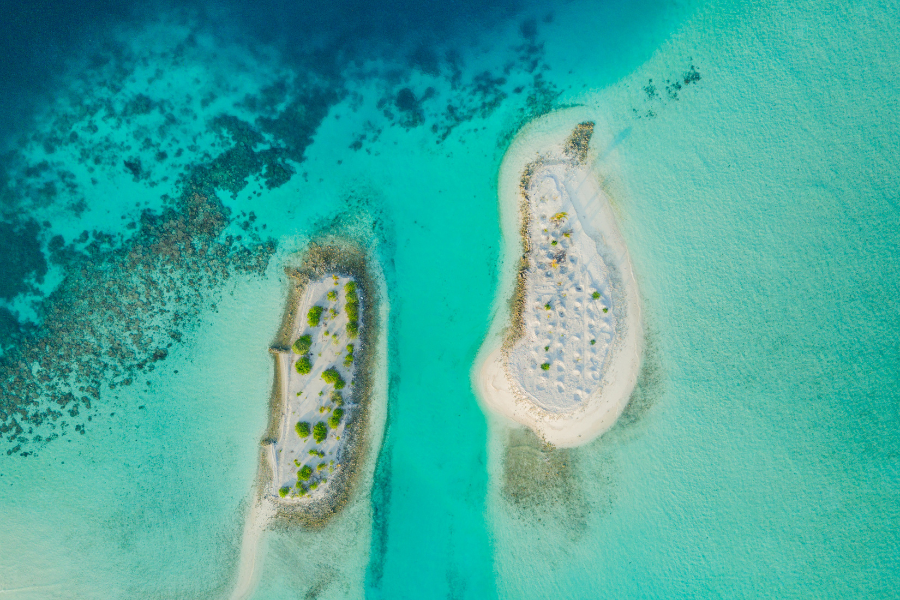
335,418
302,429
332,295
305,473
303,366
302,345
315,313
332,376
320,432
595,295
284,491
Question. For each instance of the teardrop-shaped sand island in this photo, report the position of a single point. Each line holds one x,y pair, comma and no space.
565,357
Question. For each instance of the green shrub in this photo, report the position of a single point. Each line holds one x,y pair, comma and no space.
315,313
606,310
593,342
332,295
302,345
313,485
302,429
546,348
335,418
303,366
547,306
595,295
348,360
284,491
322,466
353,329
350,348
545,366
337,398
352,311
350,286
320,432
332,376
305,473
553,243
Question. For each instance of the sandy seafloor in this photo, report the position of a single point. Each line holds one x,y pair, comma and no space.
758,456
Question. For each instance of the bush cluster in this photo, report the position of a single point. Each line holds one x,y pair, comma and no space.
320,432
303,366
302,429
352,308
305,473
332,295
302,345
335,418
332,376
348,360
315,313
284,491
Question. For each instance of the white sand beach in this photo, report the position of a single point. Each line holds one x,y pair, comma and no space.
564,359
310,399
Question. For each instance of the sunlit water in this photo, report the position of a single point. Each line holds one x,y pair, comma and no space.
759,455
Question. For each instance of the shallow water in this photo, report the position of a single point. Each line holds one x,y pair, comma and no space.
757,457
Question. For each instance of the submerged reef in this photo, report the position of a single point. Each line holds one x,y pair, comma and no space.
117,312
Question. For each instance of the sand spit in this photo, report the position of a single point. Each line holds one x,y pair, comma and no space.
564,358
326,271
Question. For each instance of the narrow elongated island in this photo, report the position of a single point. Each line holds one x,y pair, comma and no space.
566,360
323,377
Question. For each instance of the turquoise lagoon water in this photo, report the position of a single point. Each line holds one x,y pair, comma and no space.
759,455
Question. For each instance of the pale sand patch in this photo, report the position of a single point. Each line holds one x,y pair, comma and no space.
250,560
587,385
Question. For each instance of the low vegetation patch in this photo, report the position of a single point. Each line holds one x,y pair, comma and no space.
335,418
595,295
332,376
332,295
314,315
545,366
337,398
284,491
302,345
303,366
320,432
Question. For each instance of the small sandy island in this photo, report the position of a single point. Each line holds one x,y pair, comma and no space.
323,425
568,357
323,364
